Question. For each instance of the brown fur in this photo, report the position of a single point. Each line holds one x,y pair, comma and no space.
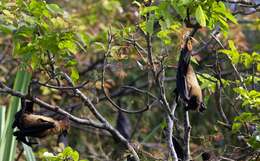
33,125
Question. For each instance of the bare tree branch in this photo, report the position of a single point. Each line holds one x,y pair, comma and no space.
246,3
187,129
170,123
60,87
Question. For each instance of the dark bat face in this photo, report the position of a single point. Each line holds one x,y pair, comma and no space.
27,107
202,107
39,126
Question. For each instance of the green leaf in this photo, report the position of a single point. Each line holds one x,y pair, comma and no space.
142,26
35,62
233,53
236,126
75,155
184,2
38,8
67,151
68,44
84,39
2,120
246,59
181,10
231,17
193,60
200,16
221,8
8,14
207,82
24,32
54,8
74,74
7,29
150,24
223,23
59,23
246,117
232,45
71,62
258,67
146,10
164,36
254,141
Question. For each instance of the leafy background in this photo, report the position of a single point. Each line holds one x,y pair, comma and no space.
45,38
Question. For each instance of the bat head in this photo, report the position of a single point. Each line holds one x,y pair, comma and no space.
65,123
202,107
27,106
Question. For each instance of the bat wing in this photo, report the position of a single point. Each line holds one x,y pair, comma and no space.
36,130
17,119
21,137
182,84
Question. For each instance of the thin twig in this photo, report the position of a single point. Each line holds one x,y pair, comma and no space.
213,34
141,91
91,66
218,96
62,87
218,99
19,155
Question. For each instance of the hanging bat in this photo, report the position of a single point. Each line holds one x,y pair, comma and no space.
188,88
33,125
123,125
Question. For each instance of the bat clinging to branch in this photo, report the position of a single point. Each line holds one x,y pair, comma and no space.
34,125
187,84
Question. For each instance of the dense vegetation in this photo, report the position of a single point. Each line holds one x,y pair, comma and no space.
110,67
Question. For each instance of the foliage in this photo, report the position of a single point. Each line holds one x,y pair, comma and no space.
68,154
42,32
208,13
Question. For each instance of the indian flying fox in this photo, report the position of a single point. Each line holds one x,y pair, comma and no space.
34,125
188,88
